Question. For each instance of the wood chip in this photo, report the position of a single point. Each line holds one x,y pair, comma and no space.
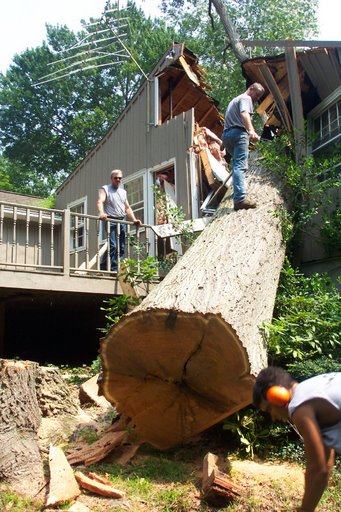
97,487
88,393
63,485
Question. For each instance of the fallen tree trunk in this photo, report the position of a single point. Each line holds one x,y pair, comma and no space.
186,357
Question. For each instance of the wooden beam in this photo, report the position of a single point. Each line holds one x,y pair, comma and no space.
290,43
276,93
296,104
203,118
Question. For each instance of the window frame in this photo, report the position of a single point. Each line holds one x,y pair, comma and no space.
324,107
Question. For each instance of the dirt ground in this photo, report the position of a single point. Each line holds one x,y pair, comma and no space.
171,481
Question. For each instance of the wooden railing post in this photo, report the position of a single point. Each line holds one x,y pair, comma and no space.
66,242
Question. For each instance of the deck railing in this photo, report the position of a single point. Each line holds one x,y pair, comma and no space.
65,242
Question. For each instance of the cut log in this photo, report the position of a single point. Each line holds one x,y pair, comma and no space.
187,356
97,450
21,465
88,394
63,485
217,487
98,487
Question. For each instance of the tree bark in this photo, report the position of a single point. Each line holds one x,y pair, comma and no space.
236,45
21,464
187,356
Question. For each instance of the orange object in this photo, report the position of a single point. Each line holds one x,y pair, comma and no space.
278,395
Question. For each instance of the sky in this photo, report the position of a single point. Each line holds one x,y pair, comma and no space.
22,22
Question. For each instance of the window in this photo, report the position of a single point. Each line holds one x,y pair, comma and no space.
135,196
325,122
77,224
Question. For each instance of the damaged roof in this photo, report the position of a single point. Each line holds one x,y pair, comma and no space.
182,87
319,73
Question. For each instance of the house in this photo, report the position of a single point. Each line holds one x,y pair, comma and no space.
50,259
303,95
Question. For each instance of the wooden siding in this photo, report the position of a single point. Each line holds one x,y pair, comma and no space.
132,145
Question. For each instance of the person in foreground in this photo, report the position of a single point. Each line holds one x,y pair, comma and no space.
238,130
314,408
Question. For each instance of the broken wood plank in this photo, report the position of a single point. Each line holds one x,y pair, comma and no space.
209,464
189,72
98,450
63,485
127,453
98,487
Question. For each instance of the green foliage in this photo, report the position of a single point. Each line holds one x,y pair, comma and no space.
252,19
115,308
254,433
305,191
286,221
145,270
331,231
11,502
88,434
46,130
304,369
307,318
174,215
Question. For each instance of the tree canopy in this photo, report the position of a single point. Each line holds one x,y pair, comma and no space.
46,130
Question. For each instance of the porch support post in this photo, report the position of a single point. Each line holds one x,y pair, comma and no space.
66,244
296,104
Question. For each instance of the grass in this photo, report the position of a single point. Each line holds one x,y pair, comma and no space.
170,482
10,502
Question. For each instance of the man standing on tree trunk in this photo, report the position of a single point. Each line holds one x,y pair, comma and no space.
238,131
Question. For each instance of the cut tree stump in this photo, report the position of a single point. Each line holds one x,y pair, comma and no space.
21,465
63,485
53,394
187,356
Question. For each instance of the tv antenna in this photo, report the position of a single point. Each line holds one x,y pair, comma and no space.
102,46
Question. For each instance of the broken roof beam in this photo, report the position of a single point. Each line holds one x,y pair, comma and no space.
290,43
276,93
296,104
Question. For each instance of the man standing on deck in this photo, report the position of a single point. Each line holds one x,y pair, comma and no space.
238,131
112,202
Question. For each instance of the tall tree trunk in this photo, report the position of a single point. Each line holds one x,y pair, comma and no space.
21,464
186,357
236,45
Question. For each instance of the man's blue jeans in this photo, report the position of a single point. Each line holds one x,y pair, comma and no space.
236,142
113,246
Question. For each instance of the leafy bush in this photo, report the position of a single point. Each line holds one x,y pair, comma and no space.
254,433
115,308
307,317
301,370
